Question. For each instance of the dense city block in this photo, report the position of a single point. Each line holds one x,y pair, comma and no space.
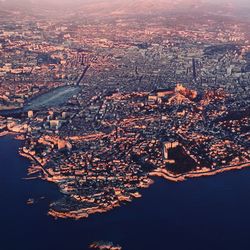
105,104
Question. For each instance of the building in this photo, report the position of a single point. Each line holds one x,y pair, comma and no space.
167,146
30,114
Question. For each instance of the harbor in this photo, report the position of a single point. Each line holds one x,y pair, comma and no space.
52,98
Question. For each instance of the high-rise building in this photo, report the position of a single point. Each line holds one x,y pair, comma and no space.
64,115
30,114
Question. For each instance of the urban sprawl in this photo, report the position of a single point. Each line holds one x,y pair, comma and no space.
103,106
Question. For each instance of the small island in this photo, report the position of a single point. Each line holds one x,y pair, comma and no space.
102,245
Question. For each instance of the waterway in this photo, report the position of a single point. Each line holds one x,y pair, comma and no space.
52,98
203,213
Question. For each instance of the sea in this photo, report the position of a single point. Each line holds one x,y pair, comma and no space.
210,213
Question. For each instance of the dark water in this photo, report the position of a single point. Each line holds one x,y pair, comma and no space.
207,214
53,98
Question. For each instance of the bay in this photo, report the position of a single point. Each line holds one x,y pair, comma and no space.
203,213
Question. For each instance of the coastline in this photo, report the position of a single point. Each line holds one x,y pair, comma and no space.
159,172
195,174
36,167
163,173
4,133
164,201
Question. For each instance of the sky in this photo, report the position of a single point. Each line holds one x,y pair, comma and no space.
82,1
242,3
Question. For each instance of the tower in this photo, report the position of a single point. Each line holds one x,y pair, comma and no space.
194,69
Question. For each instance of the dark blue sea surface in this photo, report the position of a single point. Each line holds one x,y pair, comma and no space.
210,213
